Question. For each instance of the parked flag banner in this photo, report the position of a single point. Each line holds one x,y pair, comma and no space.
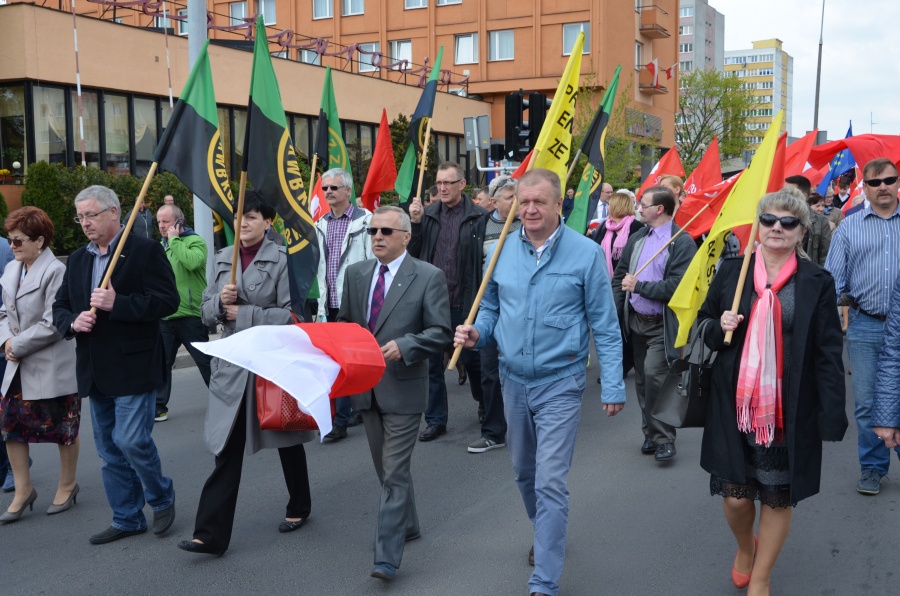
382,170
554,143
272,168
669,165
739,209
191,146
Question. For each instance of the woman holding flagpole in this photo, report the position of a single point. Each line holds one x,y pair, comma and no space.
260,296
777,389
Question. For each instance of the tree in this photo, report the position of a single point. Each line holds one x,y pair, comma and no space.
711,104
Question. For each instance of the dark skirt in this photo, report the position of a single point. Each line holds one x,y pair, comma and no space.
53,420
767,476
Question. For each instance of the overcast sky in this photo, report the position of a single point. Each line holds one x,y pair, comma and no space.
860,57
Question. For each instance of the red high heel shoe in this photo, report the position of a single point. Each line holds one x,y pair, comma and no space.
742,580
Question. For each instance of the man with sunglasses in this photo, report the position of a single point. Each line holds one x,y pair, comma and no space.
449,235
864,257
642,294
342,242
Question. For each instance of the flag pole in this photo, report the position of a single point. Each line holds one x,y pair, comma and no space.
473,312
312,171
424,159
571,168
672,239
745,266
238,216
130,224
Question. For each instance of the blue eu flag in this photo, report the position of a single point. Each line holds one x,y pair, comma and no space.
842,162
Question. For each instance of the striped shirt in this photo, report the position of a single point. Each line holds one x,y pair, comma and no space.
864,259
101,261
336,232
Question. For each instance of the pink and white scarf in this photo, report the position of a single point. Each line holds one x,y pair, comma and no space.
613,250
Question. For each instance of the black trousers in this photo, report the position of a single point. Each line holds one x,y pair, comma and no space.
215,513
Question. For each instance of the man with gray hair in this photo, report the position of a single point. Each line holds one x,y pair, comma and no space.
119,357
186,252
342,242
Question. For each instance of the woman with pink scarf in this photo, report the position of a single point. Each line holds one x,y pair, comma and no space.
777,389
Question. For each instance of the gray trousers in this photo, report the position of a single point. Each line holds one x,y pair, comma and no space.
391,441
650,370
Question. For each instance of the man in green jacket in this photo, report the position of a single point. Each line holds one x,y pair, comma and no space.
186,252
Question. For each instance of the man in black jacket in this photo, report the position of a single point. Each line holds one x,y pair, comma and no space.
447,234
120,358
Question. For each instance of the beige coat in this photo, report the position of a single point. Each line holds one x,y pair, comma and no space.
264,298
46,362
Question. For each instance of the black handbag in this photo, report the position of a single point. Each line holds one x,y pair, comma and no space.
686,391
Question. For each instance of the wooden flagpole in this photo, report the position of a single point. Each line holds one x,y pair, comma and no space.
571,168
424,161
473,312
671,240
238,217
745,266
130,224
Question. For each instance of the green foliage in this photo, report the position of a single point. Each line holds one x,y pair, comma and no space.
711,104
4,209
166,183
44,189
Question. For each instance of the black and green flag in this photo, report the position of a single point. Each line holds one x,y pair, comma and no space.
271,165
594,147
407,175
191,147
330,145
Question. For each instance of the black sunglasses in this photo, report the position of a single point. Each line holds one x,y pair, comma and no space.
876,182
789,222
331,188
384,231
17,242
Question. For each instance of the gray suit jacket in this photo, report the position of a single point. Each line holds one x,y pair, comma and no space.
415,314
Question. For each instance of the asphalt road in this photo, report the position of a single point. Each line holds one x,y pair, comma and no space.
634,527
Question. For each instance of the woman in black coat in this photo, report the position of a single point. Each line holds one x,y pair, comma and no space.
777,465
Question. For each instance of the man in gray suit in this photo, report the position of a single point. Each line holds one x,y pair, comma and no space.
404,303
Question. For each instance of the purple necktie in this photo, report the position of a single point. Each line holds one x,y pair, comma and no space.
377,298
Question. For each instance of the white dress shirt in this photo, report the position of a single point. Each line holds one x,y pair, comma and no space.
388,278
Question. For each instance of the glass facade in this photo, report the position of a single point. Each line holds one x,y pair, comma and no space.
12,127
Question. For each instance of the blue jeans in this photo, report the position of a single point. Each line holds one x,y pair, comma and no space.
131,468
542,425
864,338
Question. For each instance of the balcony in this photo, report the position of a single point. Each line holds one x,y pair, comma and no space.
645,83
652,22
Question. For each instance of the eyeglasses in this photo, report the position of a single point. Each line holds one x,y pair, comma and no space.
788,222
17,242
876,182
332,188
384,231
89,216
642,206
447,182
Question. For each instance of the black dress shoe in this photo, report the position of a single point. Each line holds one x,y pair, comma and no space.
461,370
665,452
337,433
538,594
289,526
649,447
163,519
112,533
433,432
411,537
200,548
531,556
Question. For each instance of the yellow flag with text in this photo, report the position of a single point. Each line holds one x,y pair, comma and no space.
554,144
739,209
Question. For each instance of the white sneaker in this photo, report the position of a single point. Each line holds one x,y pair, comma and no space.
161,416
483,444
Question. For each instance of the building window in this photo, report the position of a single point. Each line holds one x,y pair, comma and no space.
501,45
352,7
448,2
466,48
267,7
687,11
570,34
12,126
366,61
686,66
90,106
115,20
322,9
638,55
182,24
115,117
310,57
145,136
686,48
686,30
409,4
50,125
237,11
281,54
401,49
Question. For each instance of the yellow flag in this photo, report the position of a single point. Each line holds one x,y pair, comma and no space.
554,144
739,209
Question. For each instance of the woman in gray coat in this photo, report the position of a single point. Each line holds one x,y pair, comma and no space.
261,296
40,402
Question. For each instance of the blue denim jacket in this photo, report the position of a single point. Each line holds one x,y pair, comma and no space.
541,311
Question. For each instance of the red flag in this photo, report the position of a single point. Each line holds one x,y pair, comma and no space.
708,172
318,206
670,72
714,197
653,67
382,171
523,167
669,165
797,155
864,148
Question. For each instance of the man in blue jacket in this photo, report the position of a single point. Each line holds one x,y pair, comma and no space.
550,289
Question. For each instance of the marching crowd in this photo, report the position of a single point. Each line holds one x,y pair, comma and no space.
411,277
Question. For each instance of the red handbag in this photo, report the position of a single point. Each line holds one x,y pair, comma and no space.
277,410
